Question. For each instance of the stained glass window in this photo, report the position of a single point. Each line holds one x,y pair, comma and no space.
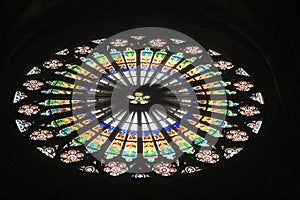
139,104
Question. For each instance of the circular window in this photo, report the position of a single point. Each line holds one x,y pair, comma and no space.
144,102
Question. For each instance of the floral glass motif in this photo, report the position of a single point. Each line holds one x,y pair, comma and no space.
33,84
207,156
71,155
49,120
164,169
194,50
157,43
41,135
115,168
119,42
249,110
237,135
139,98
29,109
53,64
83,50
223,65
243,86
